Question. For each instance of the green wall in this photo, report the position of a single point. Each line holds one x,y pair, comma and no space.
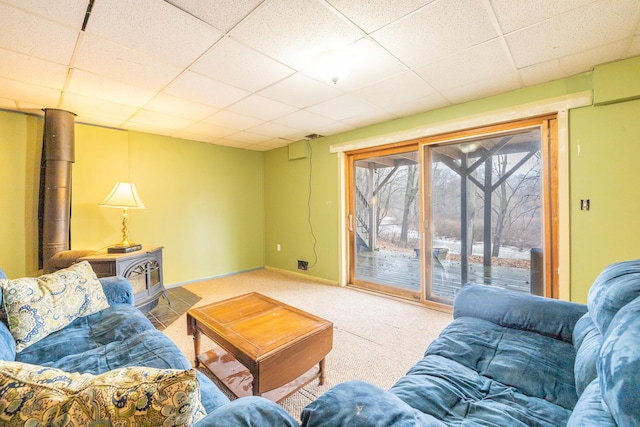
293,219
605,148
204,203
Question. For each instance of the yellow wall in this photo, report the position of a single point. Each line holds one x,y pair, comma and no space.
204,203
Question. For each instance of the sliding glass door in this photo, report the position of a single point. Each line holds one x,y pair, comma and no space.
478,206
384,222
485,213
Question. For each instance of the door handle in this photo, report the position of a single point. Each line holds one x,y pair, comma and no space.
350,221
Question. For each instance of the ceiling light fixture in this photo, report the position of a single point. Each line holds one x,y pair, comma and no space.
333,64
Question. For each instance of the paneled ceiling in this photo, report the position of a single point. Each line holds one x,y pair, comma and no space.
237,72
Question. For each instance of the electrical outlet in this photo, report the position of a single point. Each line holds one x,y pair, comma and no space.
303,265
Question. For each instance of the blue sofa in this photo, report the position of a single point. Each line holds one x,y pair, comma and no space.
512,359
121,336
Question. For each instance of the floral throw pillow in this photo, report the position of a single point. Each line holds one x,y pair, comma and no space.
37,306
135,396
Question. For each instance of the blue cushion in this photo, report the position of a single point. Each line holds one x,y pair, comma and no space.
617,285
590,411
587,341
251,411
537,365
619,366
458,395
7,343
117,290
95,331
360,404
518,310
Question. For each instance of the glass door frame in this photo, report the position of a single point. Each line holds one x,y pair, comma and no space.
550,205
351,159
551,189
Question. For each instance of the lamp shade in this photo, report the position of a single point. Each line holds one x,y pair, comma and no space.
124,196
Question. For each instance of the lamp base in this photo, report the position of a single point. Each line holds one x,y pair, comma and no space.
122,249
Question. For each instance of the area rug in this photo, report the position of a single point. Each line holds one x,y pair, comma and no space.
169,310
376,339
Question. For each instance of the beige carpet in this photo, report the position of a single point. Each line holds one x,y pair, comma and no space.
376,339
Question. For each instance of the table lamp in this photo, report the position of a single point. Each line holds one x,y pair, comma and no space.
124,196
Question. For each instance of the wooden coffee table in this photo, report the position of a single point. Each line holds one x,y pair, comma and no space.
264,347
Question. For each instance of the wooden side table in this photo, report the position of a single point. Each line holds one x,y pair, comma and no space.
142,268
264,347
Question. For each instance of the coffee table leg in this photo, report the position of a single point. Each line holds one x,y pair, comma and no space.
196,345
322,377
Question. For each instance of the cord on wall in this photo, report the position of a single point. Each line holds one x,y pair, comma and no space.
313,235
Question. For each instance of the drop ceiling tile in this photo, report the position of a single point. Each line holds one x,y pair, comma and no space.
572,64
276,130
294,31
211,130
94,86
594,25
542,72
479,63
634,47
167,104
224,16
167,32
140,127
514,15
26,92
94,119
401,88
17,66
419,105
83,105
237,65
372,64
369,118
111,60
229,143
483,88
306,121
35,36
438,30
373,14
8,104
343,107
248,137
198,88
333,128
147,117
270,145
192,136
261,108
583,61
68,12
29,108
300,91
232,120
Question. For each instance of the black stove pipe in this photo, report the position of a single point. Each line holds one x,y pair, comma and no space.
55,186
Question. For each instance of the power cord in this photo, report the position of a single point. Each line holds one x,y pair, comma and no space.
313,235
